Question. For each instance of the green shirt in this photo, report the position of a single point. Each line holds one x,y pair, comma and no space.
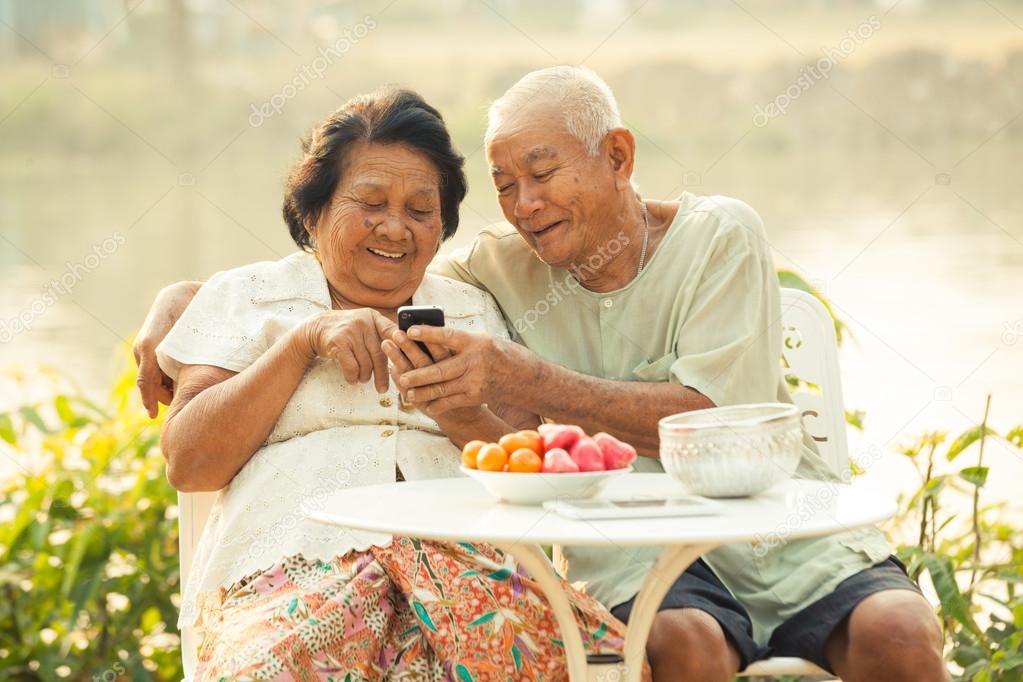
703,313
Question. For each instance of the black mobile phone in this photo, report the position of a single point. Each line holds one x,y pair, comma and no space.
411,315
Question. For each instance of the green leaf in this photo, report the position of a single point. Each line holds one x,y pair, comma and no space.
84,592
138,671
7,429
463,673
80,544
424,615
37,534
63,407
501,574
966,439
934,486
854,418
150,619
976,476
953,603
601,631
485,618
31,415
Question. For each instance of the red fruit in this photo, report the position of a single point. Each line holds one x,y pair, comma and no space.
558,461
586,453
562,436
617,455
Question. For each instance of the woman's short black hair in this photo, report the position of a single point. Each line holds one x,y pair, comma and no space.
387,115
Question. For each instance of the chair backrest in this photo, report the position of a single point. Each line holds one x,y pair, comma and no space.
193,510
810,349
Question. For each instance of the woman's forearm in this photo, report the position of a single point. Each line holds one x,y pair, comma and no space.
215,424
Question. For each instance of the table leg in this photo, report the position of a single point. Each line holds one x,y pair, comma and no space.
668,566
535,561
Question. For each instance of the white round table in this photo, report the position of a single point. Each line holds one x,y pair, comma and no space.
460,510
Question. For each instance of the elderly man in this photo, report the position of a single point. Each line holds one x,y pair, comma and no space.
627,310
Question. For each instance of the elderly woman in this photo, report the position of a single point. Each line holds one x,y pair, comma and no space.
273,404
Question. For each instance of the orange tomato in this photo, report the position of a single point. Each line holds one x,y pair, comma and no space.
470,451
491,457
531,440
525,461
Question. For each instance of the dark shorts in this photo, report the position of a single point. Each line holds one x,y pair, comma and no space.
804,635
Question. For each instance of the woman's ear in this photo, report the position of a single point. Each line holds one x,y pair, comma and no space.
310,228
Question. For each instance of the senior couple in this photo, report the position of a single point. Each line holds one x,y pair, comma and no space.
289,377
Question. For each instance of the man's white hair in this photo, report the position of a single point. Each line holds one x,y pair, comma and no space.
585,100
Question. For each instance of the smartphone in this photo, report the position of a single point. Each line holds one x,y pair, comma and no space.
634,508
411,315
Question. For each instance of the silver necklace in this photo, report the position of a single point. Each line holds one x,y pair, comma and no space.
646,238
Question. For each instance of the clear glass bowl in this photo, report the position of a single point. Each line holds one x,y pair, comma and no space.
732,451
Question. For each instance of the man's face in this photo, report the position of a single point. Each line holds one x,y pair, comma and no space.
549,188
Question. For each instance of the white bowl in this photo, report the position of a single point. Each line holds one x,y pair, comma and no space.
526,488
732,451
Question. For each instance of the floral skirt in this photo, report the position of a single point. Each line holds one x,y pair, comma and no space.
415,610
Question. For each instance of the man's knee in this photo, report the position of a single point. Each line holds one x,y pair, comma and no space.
896,630
688,644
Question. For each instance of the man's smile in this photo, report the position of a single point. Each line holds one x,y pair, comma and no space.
549,228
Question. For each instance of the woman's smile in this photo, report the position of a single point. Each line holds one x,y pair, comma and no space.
387,255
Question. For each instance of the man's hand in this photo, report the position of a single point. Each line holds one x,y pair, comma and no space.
481,370
406,355
352,338
155,387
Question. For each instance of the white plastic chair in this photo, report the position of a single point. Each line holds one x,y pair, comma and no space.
810,348
811,351
193,510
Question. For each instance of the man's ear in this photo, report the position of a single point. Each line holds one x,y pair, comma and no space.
621,151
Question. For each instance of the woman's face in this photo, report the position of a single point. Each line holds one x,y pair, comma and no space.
382,226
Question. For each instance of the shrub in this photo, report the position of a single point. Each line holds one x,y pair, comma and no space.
88,545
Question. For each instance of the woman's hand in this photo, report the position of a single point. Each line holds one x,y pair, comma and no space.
155,387
352,338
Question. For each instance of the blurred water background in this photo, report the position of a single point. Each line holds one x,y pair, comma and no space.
146,142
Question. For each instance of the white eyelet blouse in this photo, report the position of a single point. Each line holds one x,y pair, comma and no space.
331,434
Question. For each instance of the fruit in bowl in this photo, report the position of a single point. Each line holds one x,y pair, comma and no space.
561,459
